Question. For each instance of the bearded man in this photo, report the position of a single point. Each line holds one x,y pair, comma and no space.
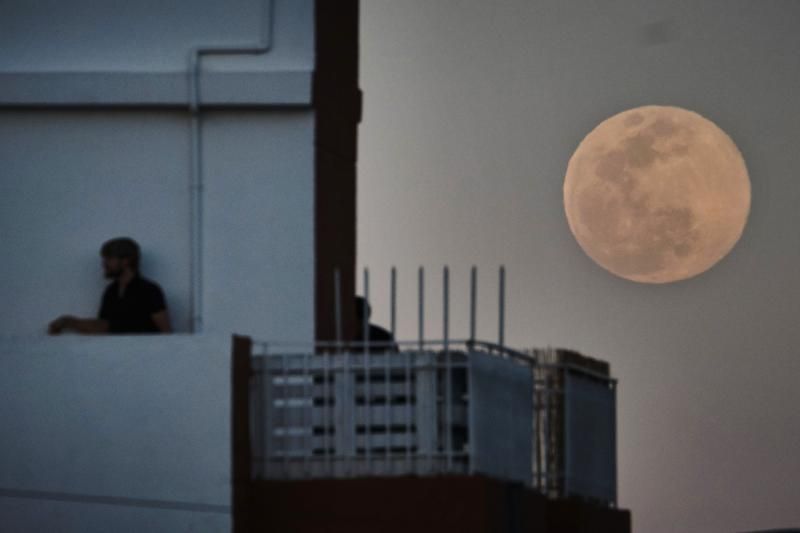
131,303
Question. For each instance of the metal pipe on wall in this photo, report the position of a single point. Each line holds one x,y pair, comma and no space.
262,46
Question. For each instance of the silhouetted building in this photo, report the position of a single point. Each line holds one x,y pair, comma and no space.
453,436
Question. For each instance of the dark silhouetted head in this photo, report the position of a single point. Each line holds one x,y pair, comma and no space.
360,304
118,254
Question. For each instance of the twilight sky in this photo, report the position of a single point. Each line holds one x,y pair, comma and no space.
472,110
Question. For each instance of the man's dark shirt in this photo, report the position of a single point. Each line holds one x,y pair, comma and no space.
384,341
131,312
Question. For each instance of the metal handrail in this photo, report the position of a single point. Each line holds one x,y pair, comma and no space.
300,347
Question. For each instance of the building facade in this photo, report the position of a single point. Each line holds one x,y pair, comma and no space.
220,136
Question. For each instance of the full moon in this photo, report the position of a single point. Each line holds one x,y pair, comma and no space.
657,194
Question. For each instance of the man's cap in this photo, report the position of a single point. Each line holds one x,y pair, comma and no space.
120,247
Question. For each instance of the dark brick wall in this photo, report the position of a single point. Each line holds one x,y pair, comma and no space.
463,504
337,107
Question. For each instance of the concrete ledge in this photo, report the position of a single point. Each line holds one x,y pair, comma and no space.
118,421
135,89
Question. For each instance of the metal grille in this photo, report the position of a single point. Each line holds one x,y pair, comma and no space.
479,408
575,412
382,414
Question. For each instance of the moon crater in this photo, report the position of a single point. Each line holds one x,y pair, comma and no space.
657,194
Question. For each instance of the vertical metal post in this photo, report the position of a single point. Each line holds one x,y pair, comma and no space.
446,306
344,405
448,405
196,204
349,378
286,418
502,308
613,387
473,302
421,327
393,303
537,425
389,468
473,293
365,313
413,371
327,415
367,397
259,413
387,411
308,414
567,446
267,394
408,410
337,302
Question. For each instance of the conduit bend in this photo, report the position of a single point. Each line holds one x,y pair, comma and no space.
262,46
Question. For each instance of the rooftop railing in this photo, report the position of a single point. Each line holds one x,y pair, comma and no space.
545,418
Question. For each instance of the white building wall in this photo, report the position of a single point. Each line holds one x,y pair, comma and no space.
151,36
259,224
108,434
71,180
132,433
95,142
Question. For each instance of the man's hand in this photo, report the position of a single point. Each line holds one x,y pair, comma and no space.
161,320
60,324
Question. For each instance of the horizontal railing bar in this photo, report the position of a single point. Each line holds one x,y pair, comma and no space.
374,348
311,346
334,457
578,369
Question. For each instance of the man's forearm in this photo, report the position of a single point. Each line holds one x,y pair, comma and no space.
89,325
86,326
